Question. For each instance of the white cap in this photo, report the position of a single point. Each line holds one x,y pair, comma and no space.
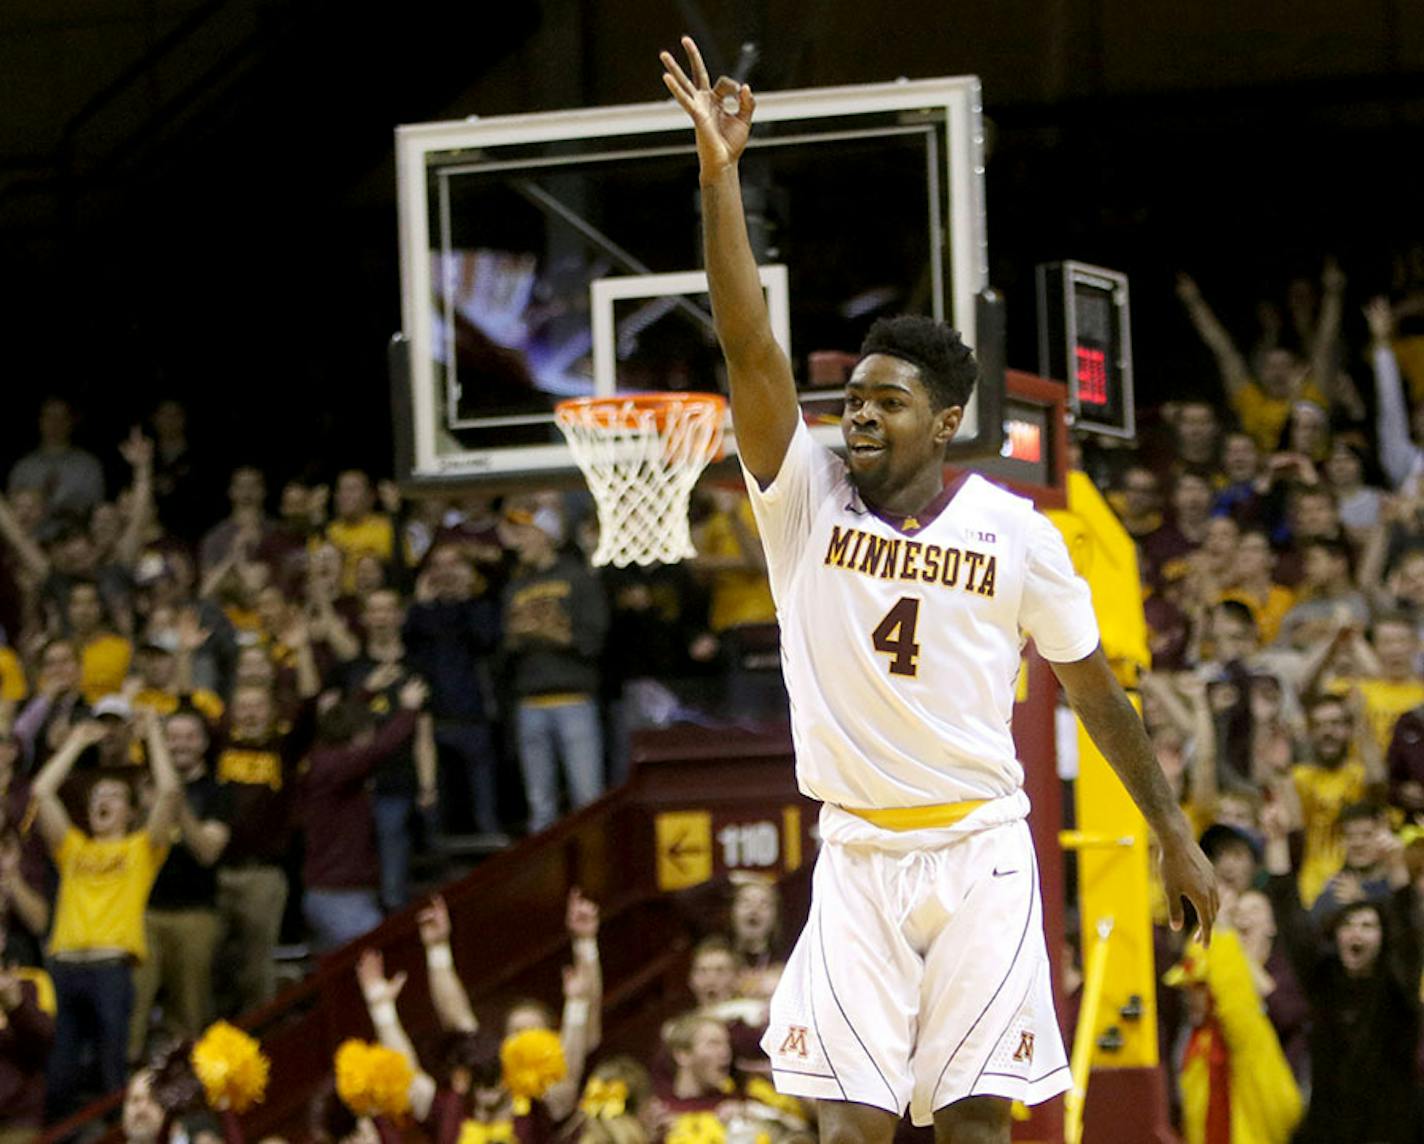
113,704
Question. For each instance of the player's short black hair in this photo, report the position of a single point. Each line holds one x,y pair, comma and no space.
947,366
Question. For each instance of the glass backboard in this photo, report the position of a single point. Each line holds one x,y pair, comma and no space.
558,255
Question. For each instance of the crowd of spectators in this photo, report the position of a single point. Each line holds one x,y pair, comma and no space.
206,716
228,733
533,1073
706,1079
1280,535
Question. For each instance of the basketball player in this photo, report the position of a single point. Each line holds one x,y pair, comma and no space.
921,977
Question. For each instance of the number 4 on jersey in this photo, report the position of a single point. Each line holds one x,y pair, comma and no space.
895,636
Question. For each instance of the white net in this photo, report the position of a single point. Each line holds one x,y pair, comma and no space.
641,457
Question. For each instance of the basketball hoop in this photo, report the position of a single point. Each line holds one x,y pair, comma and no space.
641,454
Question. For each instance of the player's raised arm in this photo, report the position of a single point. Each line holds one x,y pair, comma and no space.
764,408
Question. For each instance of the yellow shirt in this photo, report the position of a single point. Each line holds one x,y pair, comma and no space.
1263,1098
738,596
1264,416
13,685
1268,612
103,666
103,889
1385,701
372,535
1324,793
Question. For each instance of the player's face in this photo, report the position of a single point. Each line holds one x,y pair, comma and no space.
893,433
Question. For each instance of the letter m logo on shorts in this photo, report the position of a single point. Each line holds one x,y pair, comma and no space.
1025,1050
795,1042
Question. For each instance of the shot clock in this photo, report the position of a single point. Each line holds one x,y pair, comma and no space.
1084,339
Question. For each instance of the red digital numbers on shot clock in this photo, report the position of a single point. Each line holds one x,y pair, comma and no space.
1092,376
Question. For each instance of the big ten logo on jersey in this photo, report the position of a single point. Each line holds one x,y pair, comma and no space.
897,558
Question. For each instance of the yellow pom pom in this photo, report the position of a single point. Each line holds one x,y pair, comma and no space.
697,1128
761,1091
231,1067
532,1061
373,1080
500,1132
604,1099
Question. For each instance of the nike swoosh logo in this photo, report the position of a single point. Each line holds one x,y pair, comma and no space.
1003,873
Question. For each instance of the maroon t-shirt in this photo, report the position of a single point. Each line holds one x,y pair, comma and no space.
336,811
449,1111
262,776
24,1048
1161,552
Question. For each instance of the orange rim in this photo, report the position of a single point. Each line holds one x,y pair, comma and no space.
626,405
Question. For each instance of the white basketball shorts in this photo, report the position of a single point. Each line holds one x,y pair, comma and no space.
921,978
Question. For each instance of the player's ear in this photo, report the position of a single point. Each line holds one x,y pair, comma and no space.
947,423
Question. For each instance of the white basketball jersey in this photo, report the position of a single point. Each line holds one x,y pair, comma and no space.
901,638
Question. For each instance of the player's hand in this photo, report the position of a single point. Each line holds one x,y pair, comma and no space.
1186,873
721,134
